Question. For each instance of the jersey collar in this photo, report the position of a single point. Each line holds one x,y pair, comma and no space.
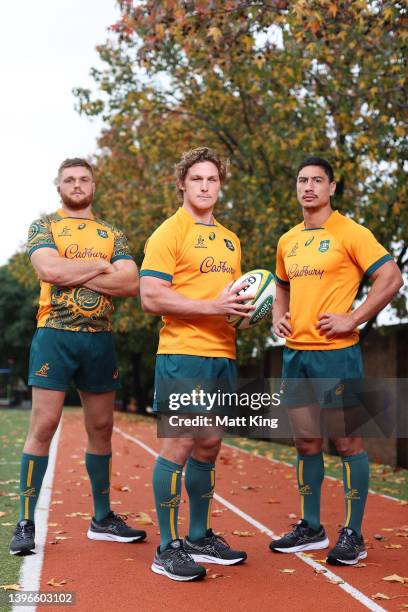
186,214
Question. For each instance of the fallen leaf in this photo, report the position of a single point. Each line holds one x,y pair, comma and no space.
52,524
394,578
86,514
272,501
292,515
393,546
359,565
216,576
129,559
58,501
56,583
336,580
380,537
322,571
380,596
244,534
10,587
142,518
287,571
387,528
63,538
53,542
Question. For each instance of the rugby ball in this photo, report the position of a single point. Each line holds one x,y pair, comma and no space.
260,290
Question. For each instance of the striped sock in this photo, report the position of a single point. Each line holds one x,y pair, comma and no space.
167,494
32,470
310,475
356,475
200,482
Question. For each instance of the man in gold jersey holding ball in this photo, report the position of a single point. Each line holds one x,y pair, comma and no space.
320,265
190,263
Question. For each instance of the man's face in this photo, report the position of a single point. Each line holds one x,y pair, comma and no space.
202,185
76,187
314,188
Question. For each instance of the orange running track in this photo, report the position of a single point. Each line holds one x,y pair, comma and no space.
261,495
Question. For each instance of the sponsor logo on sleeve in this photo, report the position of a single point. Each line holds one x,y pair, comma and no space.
229,244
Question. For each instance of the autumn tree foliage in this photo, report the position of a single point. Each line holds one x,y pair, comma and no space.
266,82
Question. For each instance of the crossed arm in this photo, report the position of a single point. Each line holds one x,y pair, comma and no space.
118,279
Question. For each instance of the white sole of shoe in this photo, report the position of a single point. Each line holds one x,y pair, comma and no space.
22,553
216,560
362,555
108,537
158,569
312,546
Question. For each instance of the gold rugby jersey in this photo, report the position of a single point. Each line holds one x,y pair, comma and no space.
323,268
199,260
76,308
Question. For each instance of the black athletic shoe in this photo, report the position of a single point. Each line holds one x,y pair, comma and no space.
113,528
175,563
23,542
301,538
213,549
349,549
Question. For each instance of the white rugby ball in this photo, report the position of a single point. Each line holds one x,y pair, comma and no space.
260,290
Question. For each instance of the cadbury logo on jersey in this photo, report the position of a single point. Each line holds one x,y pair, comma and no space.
209,265
74,252
296,271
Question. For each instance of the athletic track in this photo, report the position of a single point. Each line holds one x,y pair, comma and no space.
254,496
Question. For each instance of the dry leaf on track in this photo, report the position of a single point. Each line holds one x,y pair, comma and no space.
336,581
394,578
142,518
244,534
56,583
287,571
393,546
380,596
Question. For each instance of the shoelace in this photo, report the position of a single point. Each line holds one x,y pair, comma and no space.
298,529
181,555
344,539
25,530
119,519
220,540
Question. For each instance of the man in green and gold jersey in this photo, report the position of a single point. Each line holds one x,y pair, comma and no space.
81,262
190,263
319,266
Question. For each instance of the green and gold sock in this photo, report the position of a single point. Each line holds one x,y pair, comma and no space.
32,470
200,482
310,475
167,494
356,475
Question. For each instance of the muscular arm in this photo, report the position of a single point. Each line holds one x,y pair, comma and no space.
121,281
387,281
159,298
280,312
57,270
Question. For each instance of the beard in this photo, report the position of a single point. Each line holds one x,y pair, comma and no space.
84,202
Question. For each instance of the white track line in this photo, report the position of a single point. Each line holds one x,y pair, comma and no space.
355,593
31,567
254,454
